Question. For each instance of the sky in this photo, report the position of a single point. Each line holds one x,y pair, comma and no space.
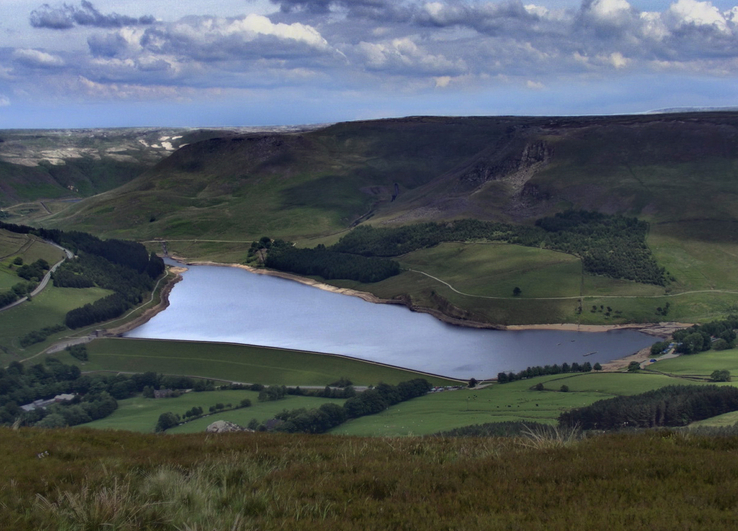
198,63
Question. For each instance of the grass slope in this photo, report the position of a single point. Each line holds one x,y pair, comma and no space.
240,363
516,401
702,364
141,414
28,247
47,309
93,479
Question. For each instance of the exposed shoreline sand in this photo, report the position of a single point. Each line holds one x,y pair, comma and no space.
661,330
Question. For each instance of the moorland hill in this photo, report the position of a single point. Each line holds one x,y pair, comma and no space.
676,172
669,169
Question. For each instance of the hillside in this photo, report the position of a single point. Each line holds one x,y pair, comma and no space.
677,172
668,169
69,164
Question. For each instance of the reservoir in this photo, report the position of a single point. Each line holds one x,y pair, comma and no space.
227,304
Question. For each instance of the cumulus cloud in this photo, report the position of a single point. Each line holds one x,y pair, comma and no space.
67,16
214,39
4,101
37,59
694,13
442,44
404,56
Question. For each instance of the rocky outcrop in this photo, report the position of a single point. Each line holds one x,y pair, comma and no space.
509,163
224,426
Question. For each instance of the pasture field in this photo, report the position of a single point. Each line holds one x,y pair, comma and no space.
721,421
479,279
260,411
30,248
701,255
702,364
494,269
48,308
239,363
141,414
516,401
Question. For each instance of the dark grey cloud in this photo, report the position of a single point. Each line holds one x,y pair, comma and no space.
67,16
326,6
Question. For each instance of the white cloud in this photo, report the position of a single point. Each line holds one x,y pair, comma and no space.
442,81
652,26
403,54
4,101
534,85
129,91
37,58
611,10
617,60
260,25
692,12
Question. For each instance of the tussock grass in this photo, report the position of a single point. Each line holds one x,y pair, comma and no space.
543,436
119,480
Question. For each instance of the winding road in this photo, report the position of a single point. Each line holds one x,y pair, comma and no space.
44,281
577,297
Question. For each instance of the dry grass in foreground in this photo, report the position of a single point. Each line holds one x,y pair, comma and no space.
121,480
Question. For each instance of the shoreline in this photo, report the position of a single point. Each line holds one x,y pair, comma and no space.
658,330
149,313
662,329
368,297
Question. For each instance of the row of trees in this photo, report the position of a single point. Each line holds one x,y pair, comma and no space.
37,336
610,245
103,309
676,405
538,370
126,253
124,267
370,402
329,264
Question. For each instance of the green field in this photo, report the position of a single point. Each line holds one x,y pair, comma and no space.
239,363
141,414
28,247
48,308
480,278
702,364
515,401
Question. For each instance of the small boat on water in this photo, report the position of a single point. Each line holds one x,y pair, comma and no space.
590,353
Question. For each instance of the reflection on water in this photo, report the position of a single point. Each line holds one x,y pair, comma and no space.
226,304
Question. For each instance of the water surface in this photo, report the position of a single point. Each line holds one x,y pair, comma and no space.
226,304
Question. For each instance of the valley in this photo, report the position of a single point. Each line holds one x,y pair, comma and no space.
208,194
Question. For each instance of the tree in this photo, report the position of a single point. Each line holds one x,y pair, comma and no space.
564,389
597,366
539,387
517,291
720,376
167,420
472,382
634,366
